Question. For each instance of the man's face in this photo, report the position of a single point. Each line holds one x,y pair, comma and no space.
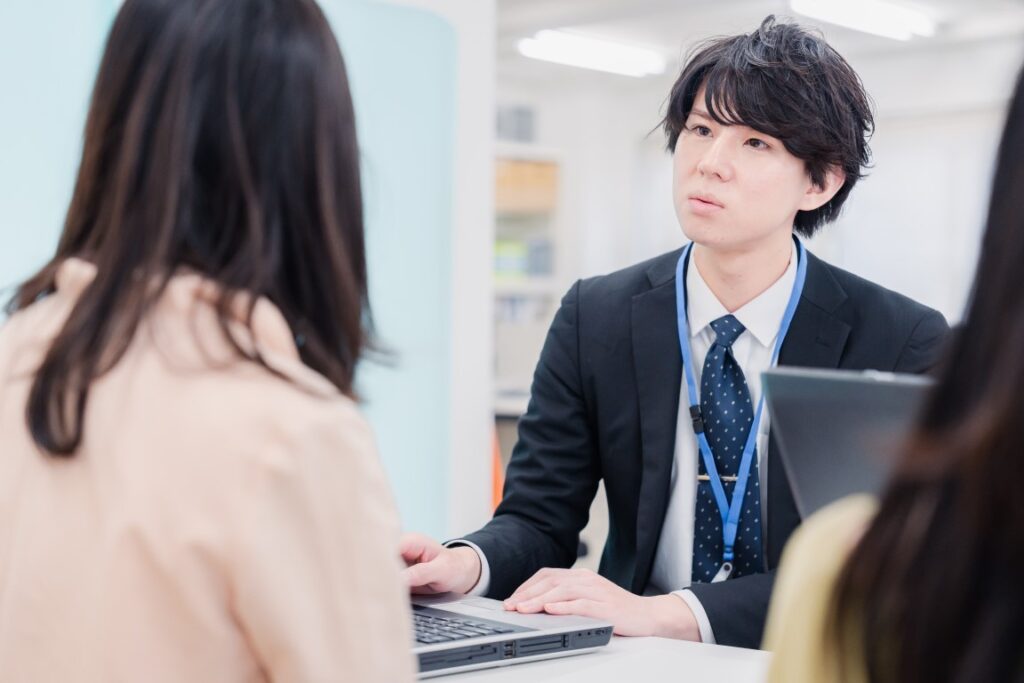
735,188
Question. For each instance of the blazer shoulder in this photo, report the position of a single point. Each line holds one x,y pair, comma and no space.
626,283
889,330
869,298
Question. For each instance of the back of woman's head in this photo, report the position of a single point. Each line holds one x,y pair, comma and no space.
934,589
220,138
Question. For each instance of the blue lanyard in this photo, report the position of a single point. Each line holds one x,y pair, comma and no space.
730,511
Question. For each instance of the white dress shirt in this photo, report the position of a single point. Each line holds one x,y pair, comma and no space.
762,318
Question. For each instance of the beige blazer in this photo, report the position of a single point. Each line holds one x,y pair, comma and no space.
218,523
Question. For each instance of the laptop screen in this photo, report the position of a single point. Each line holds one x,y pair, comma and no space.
839,432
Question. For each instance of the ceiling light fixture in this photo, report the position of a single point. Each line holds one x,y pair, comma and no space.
574,49
882,18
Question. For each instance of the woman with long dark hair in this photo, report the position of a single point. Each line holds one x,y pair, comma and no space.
183,470
928,584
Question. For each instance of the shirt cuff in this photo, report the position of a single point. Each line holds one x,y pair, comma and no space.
707,635
484,582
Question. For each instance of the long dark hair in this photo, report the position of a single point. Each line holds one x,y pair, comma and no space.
935,589
220,138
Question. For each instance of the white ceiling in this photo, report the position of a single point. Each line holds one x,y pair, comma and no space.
673,26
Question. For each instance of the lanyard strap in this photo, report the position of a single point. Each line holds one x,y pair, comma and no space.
729,510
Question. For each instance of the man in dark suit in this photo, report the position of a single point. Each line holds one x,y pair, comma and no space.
769,134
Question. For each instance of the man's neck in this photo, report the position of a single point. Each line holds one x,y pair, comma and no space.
738,277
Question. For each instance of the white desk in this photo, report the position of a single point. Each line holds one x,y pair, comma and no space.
634,660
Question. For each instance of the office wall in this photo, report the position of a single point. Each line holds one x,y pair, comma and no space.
423,90
915,224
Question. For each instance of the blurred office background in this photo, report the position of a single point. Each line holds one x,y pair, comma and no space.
495,179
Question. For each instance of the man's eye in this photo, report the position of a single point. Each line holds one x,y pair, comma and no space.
702,131
757,144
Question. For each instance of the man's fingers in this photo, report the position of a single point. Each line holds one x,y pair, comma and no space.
581,607
424,575
593,609
535,585
527,585
411,553
417,548
566,590
524,593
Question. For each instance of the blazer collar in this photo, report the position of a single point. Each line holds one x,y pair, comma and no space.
663,269
817,322
659,368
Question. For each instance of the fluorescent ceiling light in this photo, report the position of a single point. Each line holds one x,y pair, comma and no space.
592,53
879,17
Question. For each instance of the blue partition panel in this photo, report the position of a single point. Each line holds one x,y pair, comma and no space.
401,62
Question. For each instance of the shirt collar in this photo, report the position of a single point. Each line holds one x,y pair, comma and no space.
761,316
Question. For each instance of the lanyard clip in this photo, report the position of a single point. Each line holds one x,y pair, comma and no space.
696,419
724,572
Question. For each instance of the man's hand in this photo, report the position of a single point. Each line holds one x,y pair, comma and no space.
432,568
584,593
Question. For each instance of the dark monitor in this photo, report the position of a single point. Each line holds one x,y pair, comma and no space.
839,432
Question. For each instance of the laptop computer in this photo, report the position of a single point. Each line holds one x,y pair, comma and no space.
455,633
839,432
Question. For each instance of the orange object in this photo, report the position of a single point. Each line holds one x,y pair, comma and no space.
497,474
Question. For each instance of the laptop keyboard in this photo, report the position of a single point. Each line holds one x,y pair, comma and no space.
431,627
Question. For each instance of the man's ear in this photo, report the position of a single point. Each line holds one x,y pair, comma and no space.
819,195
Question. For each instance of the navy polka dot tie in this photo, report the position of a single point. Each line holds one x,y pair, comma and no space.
728,415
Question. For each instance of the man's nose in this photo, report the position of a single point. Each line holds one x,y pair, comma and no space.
716,160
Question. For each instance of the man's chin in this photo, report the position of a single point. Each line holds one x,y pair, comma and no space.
706,234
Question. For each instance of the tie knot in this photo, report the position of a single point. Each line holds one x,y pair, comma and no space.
727,329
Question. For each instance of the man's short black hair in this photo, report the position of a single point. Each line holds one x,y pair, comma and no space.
786,82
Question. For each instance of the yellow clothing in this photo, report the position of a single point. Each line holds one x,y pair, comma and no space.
218,523
802,599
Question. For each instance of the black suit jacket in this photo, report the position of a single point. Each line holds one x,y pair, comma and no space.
604,405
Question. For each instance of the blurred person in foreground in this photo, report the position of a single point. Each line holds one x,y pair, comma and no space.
183,469
649,379
927,584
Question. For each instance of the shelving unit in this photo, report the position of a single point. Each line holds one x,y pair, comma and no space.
526,261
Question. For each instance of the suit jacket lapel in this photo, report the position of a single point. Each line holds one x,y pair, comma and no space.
659,368
816,336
